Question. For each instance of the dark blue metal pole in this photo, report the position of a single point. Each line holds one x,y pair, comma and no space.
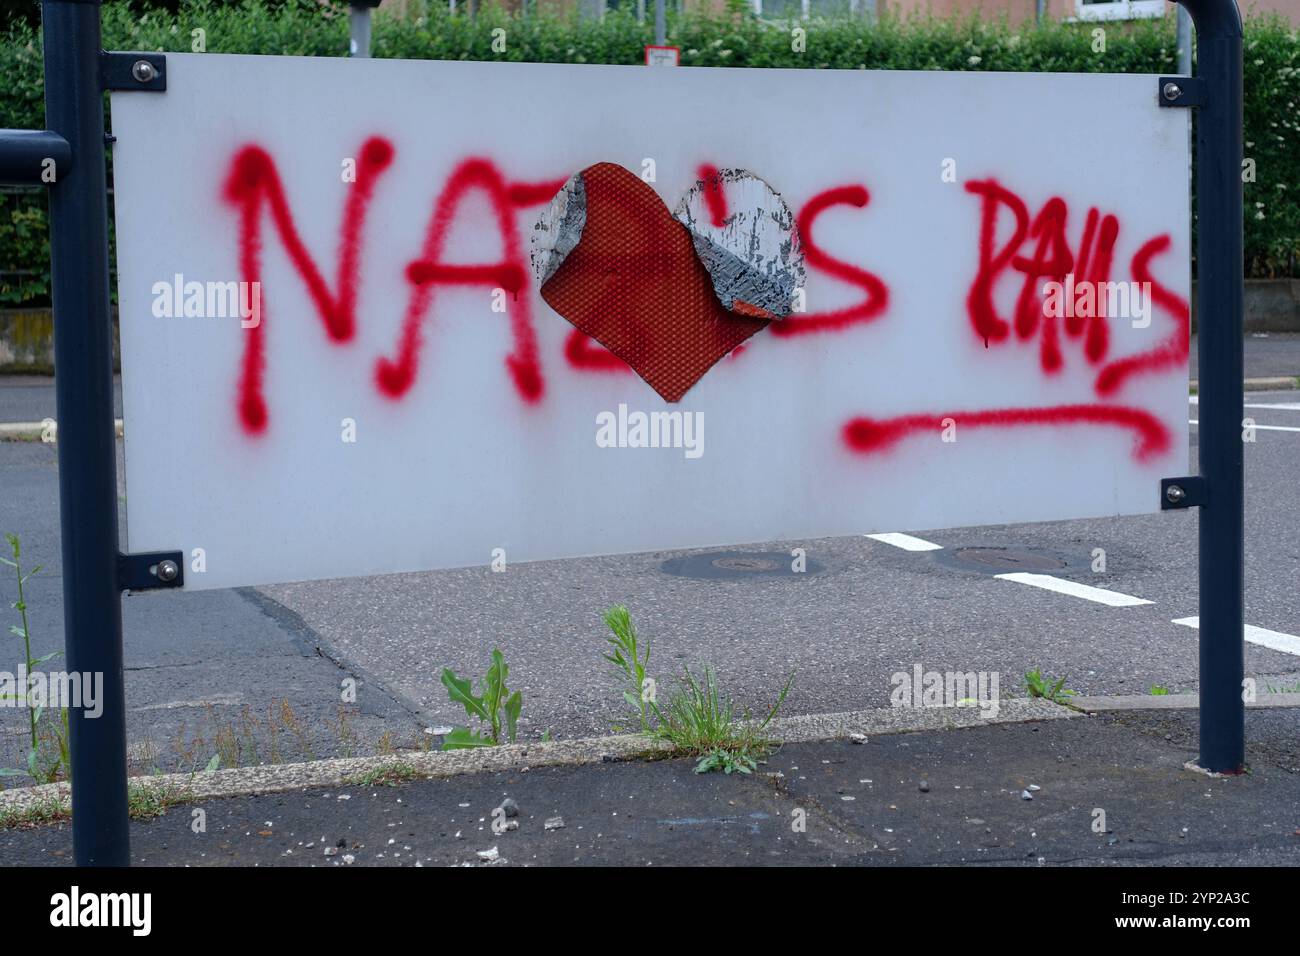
28,156
1219,293
83,363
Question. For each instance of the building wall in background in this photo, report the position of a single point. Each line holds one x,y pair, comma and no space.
1019,11
1015,11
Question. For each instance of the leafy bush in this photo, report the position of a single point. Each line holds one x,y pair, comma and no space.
733,38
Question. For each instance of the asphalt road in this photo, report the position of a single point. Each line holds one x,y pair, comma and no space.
1268,355
30,398
261,674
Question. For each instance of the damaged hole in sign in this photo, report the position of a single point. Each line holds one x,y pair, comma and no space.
613,261
744,233
559,229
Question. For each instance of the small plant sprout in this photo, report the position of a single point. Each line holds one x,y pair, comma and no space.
1046,688
44,764
388,775
493,702
625,654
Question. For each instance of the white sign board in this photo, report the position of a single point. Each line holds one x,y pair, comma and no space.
406,399
662,55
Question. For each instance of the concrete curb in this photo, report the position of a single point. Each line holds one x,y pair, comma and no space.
274,778
35,431
1097,705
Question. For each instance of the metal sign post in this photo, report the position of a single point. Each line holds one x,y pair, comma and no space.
1219,490
83,348
77,73
1219,293
359,26
69,159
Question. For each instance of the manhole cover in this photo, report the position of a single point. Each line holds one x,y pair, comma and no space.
1003,560
745,563
740,564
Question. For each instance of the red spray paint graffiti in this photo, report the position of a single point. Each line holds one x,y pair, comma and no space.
1052,259
867,435
713,193
254,182
1174,351
395,376
253,187
586,355
877,295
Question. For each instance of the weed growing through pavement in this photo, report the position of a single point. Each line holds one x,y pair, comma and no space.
144,801
50,809
696,718
49,756
1159,691
346,734
289,719
1282,688
250,738
1046,688
389,775
626,655
493,706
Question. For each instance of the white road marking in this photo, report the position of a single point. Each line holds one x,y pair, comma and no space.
1275,640
1262,428
905,541
1074,589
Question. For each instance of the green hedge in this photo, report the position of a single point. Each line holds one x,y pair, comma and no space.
1272,78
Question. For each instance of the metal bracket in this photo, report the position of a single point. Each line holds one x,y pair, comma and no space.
150,570
146,72
1189,492
1180,91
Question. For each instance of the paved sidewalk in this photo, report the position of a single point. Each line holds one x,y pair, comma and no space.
935,797
1268,355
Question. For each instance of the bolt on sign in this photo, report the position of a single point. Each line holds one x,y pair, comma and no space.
380,316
